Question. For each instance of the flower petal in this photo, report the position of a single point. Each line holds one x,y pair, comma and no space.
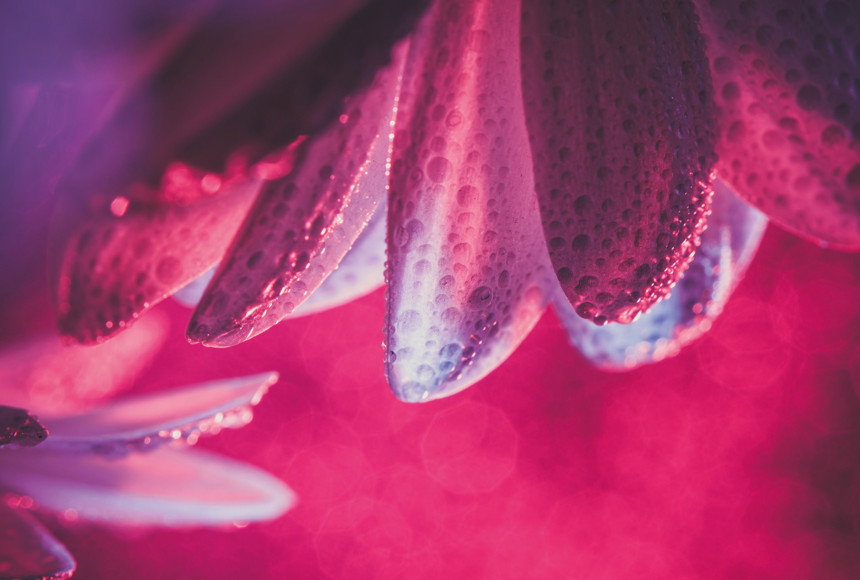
786,77
302,225
133,254
28,551
468,267
43,374
146,421
19,427
360,272
173,486
618,105
728,245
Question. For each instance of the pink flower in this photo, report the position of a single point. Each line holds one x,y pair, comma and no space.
529,153
124,462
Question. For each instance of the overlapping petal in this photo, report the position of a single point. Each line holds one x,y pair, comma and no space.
728,246
619,109
147,421
301,226
468,268
28,551
786,77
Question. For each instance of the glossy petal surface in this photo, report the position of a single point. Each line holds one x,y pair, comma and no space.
618,105
468,267
19,427
143,422
728,245
786,79
302,225
132,254
171,486
28,551
361,271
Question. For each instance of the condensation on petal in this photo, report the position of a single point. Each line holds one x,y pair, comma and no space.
302,225
28,551
786,83
618,104
44,374
360,272
468,267
728,246
133,254
147,421
172,486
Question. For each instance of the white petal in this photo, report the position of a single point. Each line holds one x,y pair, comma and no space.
28,550
173,486
145,421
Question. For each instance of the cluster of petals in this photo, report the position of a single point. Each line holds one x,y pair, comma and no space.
619,160
127,461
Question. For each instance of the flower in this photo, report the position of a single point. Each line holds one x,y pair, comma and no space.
532,147
124,462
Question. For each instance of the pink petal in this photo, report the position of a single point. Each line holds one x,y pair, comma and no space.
618,105
28,551
43,374
133,254
146,421
468,267
302,225
786,77
170,486
18,427
728,245
360,272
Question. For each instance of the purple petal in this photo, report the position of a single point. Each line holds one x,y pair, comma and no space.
171,486
133,254
618,105
302,225
786,77
44,374
19,427
728,245
468,267
28,551
146,421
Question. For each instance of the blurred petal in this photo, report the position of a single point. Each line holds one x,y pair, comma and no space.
301,226
19,427
146,421
360,272
618,104
43,374
28,551
728,246
172,486
786,77
468,267
133,254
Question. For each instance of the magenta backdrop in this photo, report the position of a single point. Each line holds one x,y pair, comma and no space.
737,459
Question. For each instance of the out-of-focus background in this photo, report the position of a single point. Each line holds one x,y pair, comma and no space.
737,459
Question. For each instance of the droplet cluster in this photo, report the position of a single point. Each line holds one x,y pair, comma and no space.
467,267
787,84
302,225
619,111
120,263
